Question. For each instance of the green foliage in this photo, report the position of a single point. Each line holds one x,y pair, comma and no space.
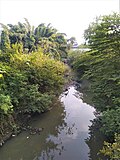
112,149
40,69
111,122
31,81
28,83
5,41
104,34
79,61
101,67
5,104
31,100
31,39
31,75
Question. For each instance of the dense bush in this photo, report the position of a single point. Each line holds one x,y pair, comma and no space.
103,73
33,78
111,122
112,149
28,83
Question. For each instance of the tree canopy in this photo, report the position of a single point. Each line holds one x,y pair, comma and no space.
43,36
104,34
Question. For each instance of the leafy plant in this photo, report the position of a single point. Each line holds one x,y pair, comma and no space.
111,122
112,149
5,104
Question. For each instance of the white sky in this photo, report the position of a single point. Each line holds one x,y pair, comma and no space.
68,16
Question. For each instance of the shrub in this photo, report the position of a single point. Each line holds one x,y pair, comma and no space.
112,149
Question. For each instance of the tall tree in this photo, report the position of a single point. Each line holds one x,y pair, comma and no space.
104,34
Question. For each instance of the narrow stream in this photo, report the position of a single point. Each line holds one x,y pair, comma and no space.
63,137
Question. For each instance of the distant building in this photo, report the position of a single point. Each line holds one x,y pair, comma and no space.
75,45
0,35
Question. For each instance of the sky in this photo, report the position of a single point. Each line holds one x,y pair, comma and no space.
67,16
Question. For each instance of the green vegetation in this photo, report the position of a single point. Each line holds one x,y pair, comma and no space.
31,73
48,38
101,67
112,149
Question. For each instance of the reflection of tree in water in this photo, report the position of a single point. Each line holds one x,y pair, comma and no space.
54,144
53,138
86,95
95,140
51,148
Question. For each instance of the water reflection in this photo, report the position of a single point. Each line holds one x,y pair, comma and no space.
29,147
70,141
95,141
63,136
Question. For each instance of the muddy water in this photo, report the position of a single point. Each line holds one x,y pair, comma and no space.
63,137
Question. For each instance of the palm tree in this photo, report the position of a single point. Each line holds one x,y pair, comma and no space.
46,37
